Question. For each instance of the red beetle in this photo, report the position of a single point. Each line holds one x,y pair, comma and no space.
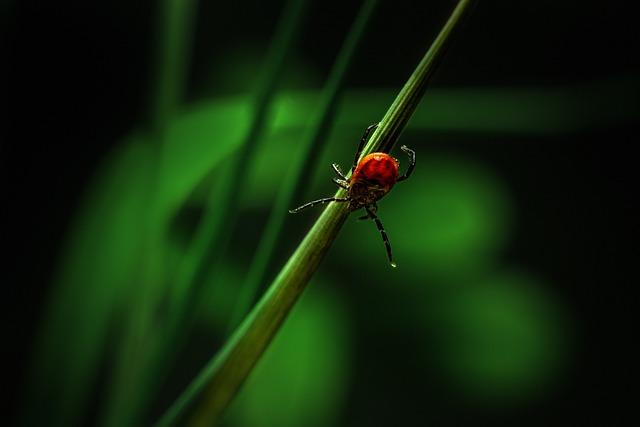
371,178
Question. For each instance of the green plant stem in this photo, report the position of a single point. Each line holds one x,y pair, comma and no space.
221,378
294,185
398,115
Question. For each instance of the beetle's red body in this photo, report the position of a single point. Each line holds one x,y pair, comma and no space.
373,177
379,168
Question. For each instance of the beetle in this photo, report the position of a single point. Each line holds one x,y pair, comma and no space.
371,179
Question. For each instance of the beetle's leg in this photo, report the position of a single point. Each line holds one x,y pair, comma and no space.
412,162
338,171
341,183
374,209
342,180
363,141
319,202
383,233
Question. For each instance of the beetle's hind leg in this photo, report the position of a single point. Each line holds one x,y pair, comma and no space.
373,208
383,233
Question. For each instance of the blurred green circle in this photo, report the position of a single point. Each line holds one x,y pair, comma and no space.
499,339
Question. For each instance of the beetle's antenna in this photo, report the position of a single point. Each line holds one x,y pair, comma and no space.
319,202
383,233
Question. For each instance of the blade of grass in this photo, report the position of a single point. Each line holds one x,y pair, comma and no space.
398,115
295,183
219,381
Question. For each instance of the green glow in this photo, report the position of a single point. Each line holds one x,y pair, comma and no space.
500,339
201,137
93,278
216,302
97,275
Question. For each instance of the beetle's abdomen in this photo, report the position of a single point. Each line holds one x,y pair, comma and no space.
377,168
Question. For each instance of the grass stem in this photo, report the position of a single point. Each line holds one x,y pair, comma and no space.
295,184
220,380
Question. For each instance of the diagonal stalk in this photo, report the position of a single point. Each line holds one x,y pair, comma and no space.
295,184
219,381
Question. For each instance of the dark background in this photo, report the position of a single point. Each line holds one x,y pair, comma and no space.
78,80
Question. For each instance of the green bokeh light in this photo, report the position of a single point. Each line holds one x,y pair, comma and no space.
500,339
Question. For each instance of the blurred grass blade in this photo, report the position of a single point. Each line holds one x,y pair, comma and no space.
216,226
214,230
296,181
149,370
173,35
131,382
219,381
103,252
